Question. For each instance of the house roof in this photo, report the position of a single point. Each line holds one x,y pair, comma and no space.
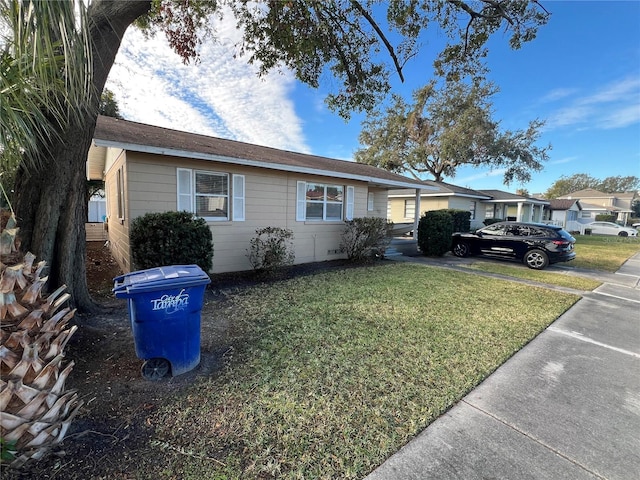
593,193
442,189
139,137
563,204
601,208
502,197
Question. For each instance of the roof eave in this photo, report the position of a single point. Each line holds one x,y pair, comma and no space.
256,163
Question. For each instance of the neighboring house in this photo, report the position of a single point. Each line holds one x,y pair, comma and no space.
482,204
595,203
97,214
509,206
564,213
236,187
402,203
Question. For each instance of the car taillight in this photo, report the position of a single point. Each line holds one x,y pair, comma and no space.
561,243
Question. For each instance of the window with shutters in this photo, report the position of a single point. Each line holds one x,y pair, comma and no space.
207,194
323,202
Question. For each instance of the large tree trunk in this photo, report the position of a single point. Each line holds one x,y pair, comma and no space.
51,201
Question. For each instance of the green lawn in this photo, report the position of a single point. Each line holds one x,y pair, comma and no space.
333,373
592,253
601,252
542,276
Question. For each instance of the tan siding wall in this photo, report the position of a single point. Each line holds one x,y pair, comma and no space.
270,200
397,210
379,203
118,231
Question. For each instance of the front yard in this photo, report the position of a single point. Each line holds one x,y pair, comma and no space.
320,376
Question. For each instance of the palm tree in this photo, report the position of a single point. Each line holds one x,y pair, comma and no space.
44,60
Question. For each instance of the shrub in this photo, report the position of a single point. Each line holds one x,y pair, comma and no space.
365,237
491,221
460,220
271,249
606,218
171,238
434,232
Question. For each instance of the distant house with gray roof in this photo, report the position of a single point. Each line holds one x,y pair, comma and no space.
482,204
594,203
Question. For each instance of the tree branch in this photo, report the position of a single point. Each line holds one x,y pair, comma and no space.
381,35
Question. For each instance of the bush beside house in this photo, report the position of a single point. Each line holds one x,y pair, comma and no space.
365,237
171,238
436,227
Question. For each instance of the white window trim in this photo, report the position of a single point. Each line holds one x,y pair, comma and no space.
238,202
370,201
351,194
301,203
186,199
120,193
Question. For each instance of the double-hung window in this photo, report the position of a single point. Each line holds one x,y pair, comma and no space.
207,194
212,195
323,202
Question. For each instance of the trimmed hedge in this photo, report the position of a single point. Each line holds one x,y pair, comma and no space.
603,217
171,238
436,227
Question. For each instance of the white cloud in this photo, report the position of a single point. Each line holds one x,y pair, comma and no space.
558,94
561,161
623,117
616,105
219,96
481,176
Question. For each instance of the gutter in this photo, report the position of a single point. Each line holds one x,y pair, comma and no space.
257,163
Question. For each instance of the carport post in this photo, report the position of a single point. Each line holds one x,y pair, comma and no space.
416,215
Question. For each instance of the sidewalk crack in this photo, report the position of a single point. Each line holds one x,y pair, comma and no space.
534,439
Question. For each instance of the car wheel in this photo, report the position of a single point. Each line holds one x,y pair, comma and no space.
461,249
623,234
536,259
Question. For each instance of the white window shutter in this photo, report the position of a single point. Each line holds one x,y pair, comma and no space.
237,211
301,203
185,189
370,201
351,193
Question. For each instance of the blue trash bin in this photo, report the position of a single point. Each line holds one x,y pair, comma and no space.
164,309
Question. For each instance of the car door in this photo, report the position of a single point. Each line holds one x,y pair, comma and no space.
600,228
596,228
494,240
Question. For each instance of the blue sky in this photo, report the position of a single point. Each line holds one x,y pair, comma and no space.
581,75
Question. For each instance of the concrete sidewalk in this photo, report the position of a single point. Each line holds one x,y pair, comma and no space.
566,406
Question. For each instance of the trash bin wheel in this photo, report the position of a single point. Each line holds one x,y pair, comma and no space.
156,368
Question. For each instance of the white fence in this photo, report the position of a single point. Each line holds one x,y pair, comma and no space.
569,225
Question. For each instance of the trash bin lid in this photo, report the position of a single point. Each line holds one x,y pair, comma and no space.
159,278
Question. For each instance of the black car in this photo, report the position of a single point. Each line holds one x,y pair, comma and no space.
536,244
